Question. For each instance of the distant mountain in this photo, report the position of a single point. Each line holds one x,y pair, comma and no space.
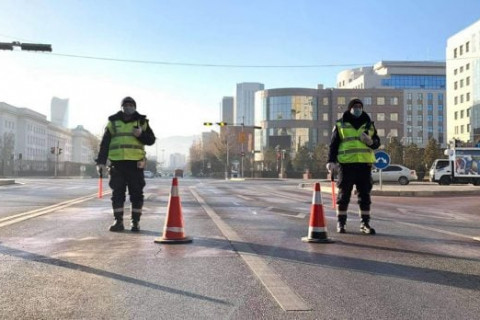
170,145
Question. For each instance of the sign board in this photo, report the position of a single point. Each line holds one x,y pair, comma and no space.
382,160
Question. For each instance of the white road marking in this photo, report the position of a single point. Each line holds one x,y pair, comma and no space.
281,292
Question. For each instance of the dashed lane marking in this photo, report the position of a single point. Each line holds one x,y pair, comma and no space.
281,292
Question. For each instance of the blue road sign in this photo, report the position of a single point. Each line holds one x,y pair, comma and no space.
382,160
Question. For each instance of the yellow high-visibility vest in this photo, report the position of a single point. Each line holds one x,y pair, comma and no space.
124,145
351,149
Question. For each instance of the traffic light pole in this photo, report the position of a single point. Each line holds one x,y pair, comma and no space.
56,157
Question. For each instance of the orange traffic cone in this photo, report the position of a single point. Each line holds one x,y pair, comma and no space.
173,231
317,229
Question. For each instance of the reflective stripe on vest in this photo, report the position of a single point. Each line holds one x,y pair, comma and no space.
351,149
124,145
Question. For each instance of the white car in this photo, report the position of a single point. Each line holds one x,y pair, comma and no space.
148,174
395,173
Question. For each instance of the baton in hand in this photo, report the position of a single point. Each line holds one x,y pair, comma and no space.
100,184
334,198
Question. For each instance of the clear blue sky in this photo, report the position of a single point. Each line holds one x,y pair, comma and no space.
329,36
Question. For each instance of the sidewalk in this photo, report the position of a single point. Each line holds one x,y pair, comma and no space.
413,189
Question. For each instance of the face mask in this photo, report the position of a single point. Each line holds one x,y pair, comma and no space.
356,112
129,110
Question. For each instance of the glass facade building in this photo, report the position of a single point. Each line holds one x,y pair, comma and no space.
402,81
289,119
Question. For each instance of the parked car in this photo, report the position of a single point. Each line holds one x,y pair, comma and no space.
395,173
148,174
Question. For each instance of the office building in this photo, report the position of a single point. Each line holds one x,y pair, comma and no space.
244,106
226,110
463,85
292,118
424,87
59,112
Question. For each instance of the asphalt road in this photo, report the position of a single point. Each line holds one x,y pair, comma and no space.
246,261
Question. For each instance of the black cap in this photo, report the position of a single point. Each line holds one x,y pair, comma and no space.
129,100
354,102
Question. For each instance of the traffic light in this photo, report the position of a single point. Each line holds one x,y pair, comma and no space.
208,124
222,124
36,47
59,150
6,46
52,150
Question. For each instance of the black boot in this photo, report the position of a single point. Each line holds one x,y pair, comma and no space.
135,226
135,221
117,225
342,221
365,226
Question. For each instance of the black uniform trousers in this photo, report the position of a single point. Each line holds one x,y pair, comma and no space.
125,174
360,175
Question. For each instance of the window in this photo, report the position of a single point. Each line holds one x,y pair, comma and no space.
462,128
461,83
380,101
381,132
339,115
409,97
367,101
325,117
467,81
461,50
461,69
455,52
467,46
456,100
461,98
455,85
325,101
394,116
467,96
455,71
325,133
409,107
468,127
455,115
468,112
393,133
380,116
461,114
467,67
341,100
394,101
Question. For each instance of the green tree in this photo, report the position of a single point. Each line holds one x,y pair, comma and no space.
270,160
413,156
320,155
395,149
303,160
432,152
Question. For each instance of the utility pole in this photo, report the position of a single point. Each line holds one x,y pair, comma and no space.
242,155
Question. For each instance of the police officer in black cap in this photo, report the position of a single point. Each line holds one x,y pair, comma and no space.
123,143
353,140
